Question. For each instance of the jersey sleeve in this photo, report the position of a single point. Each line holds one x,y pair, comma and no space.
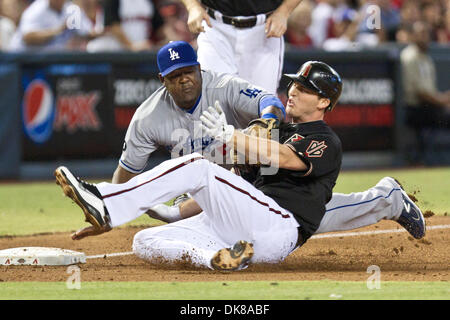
244,98
322,154
137,148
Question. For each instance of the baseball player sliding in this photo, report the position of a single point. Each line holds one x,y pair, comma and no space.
262,222
170,118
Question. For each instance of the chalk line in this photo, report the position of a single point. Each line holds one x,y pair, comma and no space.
319,236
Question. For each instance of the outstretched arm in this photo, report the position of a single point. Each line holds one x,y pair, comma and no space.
121,175
276,23
267,151
196,16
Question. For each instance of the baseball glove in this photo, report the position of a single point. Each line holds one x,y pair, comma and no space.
261,128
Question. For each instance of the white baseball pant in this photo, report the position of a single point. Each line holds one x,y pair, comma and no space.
233,210
246,52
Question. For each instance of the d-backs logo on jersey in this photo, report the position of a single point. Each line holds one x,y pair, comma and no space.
38,111
316,149
295,137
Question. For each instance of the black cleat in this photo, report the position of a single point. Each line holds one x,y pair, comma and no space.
85,195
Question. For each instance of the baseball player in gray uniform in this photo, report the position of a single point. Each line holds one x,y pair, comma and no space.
171,118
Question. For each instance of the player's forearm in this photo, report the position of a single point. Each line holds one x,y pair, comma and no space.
267,152
121,175
272,107
273,110
189,208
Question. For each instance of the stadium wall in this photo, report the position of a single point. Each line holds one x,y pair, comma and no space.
74,108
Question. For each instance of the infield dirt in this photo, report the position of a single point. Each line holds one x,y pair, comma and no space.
398,255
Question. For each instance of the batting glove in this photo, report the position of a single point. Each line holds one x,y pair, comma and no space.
214,124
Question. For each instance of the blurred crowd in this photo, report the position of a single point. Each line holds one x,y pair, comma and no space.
91,25
353,24
136,25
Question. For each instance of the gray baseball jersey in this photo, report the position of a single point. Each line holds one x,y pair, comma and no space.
159,122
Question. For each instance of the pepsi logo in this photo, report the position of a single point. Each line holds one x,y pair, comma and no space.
38,111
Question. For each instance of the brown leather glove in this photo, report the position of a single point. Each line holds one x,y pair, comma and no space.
262,128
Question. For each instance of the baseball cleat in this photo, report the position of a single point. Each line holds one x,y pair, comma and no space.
85,195
411,217
235,258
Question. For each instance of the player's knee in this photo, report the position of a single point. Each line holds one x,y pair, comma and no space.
141,241
137,243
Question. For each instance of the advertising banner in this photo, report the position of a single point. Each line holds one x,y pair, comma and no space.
66,112
364,117
82,111
131,85
79,111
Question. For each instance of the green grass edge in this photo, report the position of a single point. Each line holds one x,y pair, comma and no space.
226,290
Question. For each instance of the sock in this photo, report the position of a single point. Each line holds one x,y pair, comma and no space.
165,213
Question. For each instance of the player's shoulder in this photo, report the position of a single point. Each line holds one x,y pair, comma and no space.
213,79
319,130
218,80
326,130
155,107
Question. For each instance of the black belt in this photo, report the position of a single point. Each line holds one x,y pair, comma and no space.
236,22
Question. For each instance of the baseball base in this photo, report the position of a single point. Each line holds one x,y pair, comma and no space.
40,256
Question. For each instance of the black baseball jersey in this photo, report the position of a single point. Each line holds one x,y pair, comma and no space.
305,193
235,8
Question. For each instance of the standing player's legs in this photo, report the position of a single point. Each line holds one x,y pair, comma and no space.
260,59
235,211
244,52
215,48
360,209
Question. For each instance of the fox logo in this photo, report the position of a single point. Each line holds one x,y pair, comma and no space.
316,149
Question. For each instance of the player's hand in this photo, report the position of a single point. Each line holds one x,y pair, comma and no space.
89,231
276,24
214,124
196,16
